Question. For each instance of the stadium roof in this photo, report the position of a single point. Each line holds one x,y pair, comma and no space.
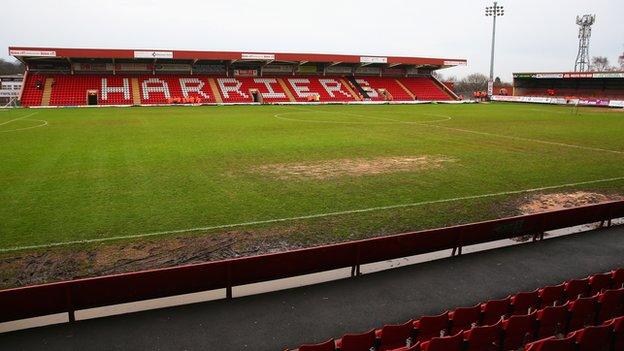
26,54
568,75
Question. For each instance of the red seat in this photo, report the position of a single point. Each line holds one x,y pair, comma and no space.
445,343
582,312
493,311
594,338
618,333
394,336
518,330
617,278
552,344
525,302
599,282
552,295
611,304
487,338
328,345
576,287
357,342
551,321
464,318
428,327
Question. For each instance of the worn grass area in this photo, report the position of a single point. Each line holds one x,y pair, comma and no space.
101,173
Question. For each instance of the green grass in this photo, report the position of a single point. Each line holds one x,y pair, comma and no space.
98,173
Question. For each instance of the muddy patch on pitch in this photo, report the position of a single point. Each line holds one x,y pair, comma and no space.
557,201
353,167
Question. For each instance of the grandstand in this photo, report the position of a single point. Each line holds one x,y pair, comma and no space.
76,77
585,85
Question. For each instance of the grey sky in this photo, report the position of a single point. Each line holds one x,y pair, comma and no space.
532,36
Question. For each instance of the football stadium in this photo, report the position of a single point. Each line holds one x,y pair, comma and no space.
165,199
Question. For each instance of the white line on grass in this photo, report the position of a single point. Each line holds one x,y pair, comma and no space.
45,123
427,124
312,216
17,119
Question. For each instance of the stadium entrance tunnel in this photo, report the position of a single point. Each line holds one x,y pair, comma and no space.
92,97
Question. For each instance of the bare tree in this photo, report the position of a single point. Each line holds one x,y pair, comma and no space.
471,83
11,67
600,64
621,61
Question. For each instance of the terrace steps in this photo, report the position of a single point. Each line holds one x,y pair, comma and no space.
136,92
407,91
47,92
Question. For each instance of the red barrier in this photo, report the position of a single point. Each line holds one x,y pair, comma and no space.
68,296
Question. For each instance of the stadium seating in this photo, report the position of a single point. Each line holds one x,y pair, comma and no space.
574,322
424,88
124,89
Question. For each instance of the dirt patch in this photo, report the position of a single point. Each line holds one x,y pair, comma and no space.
353,167
557,201
29,268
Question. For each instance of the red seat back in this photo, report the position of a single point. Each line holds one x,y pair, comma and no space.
594,338
487,338
518,330
463,318
446,343
552,344
599,282
522,302
582,313
551,321
617,278
357,342
395,336
328,345
492,311
431,326
552,295
576,287
611,304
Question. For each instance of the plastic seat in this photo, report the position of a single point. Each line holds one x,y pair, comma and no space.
487,338
617,278
594,338
611,304
394,336
518,330
464,318
599,282
428,327
492,311
618,333
445,343
552,344
576,288
525,302
415,347
328,345
552,295
551,321
582,312
357,342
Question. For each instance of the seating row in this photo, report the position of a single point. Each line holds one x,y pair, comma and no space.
503,324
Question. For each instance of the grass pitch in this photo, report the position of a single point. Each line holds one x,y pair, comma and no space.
95,174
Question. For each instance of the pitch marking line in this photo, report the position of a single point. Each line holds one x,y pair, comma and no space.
312,216
426,123
43,124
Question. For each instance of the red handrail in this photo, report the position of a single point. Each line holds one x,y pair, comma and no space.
69,296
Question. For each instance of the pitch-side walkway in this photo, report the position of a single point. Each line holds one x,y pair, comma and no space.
274,321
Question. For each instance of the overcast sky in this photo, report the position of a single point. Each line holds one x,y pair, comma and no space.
532,36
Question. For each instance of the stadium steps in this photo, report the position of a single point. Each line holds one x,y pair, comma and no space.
47,92
406,90
445,89
215,90
358,87
348,87
287,91
136,91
